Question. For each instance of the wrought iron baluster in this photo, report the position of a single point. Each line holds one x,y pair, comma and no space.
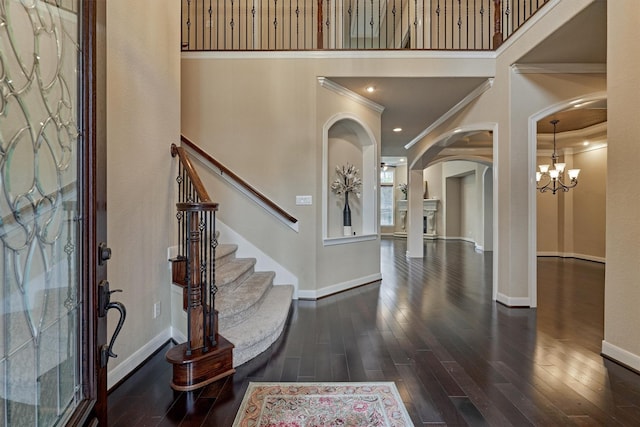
328,23
213,290
371,22
253,24
380,24
438,10
290,25
415,23
218,25
232,25
401,21
275,23
445,25
188,24
386,26
297,24
509,13
393,12
459,24
467,41
210,24
203,23
350,11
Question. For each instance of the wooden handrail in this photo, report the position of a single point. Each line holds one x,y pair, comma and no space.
224,170
191,172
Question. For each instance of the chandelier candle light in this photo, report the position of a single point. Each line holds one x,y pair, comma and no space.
347,181
555,175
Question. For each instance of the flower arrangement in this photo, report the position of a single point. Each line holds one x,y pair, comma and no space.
403,187
347,180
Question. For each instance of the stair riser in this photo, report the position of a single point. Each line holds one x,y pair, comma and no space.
229,321
233,284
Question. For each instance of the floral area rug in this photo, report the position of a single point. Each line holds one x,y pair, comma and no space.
322,405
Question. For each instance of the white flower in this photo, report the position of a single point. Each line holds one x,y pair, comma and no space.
347,180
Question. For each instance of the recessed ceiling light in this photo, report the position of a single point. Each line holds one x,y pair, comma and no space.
402,160
371,89
397,129
585,143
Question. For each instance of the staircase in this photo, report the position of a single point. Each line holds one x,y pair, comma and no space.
251,311
233,312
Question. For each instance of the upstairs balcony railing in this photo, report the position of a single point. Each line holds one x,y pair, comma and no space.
264,25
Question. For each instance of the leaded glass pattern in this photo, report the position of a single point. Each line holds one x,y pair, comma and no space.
39,221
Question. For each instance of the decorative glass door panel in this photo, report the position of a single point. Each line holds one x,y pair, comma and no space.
39,219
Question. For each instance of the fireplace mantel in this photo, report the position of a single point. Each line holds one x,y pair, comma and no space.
429,209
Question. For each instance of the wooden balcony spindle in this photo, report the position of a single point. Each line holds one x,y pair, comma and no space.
320,34
497,22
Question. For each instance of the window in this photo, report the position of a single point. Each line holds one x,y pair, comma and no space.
387,179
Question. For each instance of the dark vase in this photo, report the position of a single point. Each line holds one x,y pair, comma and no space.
346,212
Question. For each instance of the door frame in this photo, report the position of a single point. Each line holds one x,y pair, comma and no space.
92,410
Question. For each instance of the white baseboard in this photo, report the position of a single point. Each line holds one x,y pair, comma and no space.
572,255
115,375
339,287
178,336
513,301
621,355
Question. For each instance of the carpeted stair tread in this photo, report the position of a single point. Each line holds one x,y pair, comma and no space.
234,272
225,252
257,333
235,305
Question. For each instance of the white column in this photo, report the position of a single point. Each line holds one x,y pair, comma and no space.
415,246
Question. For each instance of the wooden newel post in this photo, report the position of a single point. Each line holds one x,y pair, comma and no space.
497,22
195,289
320,33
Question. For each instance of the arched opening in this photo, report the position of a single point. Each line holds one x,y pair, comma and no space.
347,141
459,170
569,224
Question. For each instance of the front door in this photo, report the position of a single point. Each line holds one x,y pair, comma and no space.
52,212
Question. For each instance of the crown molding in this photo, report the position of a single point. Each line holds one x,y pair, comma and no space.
568,68
454,110
341,90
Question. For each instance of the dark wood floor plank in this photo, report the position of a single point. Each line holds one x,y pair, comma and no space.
430,326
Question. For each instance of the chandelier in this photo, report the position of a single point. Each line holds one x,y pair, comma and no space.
553,177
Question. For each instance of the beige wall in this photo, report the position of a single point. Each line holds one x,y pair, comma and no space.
143,119
573,224
264,119
461,207
622,293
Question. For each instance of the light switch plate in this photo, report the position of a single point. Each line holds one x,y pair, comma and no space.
303,200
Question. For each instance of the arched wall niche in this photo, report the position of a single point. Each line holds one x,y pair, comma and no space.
347,140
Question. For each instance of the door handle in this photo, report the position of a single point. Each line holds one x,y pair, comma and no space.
104,305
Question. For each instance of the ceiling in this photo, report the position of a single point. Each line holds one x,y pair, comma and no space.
411,103
415,103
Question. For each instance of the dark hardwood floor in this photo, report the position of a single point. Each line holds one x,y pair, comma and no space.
457,357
